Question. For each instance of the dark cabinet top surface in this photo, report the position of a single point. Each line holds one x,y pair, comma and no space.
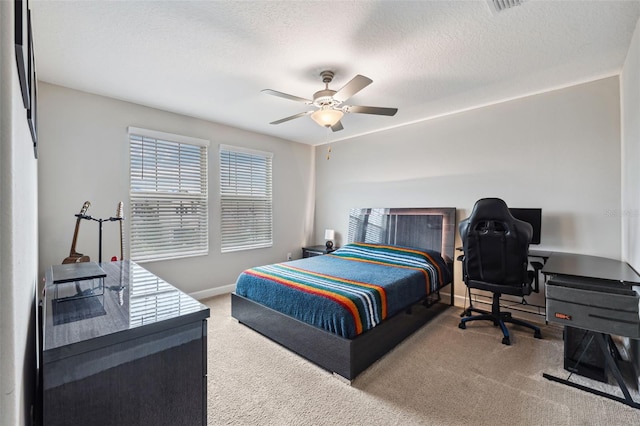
579,265
129,302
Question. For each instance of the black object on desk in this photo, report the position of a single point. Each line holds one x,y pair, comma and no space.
142,360
596,295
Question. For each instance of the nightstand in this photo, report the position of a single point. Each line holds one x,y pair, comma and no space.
316,251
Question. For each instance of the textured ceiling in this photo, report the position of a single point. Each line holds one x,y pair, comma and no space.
211,59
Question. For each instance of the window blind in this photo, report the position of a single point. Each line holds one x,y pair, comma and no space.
245,199
168,196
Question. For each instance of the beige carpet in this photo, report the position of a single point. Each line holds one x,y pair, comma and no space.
441,375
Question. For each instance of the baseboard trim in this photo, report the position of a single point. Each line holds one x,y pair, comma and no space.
458,300
212,292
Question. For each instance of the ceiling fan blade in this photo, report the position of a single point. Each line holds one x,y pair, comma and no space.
337,127
282,120
356,84
372,110
287,96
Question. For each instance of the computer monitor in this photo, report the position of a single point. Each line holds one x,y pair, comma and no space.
532,216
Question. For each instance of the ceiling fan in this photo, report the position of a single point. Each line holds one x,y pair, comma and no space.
330,102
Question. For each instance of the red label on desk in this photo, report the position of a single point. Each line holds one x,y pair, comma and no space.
563,316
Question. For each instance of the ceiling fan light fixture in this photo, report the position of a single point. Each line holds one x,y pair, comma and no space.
329,103
327,117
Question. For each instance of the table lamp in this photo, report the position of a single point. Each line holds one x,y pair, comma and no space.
329,234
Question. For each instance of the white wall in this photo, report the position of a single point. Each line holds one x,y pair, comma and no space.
559,151
85,156
630,99
18,239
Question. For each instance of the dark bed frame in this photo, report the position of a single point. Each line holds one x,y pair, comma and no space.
431,228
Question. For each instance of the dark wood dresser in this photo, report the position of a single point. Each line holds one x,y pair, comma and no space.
126,349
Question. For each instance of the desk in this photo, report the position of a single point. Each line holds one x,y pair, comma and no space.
134,353
597,295
542,254
578,265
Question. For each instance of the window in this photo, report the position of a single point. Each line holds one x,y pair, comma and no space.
168,196
245,199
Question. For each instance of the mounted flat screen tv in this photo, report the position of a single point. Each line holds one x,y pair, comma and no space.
532,216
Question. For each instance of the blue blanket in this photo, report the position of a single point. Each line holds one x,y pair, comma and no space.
349,291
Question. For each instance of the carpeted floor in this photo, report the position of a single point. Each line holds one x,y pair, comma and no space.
441,375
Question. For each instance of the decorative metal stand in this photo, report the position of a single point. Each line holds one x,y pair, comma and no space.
100,221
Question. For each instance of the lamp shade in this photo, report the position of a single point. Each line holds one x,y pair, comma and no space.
327,117
329,234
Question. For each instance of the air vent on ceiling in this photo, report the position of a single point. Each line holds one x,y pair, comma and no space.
497,6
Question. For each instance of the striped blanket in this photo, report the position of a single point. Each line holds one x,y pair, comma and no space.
349,291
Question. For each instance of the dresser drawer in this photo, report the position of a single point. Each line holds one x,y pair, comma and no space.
593,308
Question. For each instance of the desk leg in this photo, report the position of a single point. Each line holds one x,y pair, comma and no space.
601,340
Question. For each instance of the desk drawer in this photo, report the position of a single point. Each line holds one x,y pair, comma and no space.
600,311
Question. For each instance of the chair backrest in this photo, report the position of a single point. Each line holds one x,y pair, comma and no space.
496,245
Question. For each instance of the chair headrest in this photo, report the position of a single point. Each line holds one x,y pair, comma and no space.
495,244
490,209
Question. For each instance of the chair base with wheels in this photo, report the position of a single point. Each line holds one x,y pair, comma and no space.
499,318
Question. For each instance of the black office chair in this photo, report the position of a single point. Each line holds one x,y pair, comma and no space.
496,247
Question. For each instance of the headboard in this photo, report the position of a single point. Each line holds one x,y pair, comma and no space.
429,228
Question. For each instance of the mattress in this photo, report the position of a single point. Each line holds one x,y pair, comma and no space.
350,290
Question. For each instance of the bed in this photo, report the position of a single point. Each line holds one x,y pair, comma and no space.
345,310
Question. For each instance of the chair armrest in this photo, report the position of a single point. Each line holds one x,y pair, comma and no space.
537,266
